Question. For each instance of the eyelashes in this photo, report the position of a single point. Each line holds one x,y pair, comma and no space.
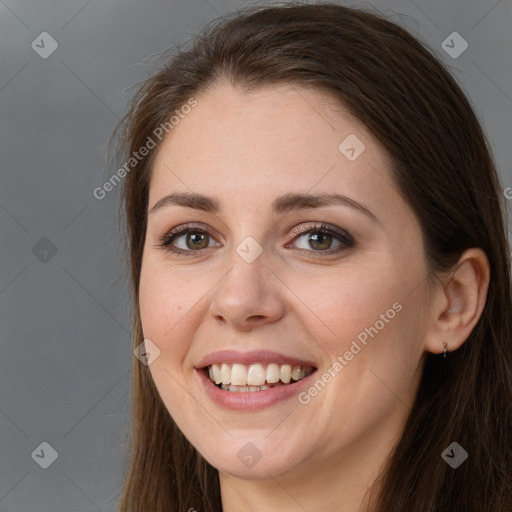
321,234
167,241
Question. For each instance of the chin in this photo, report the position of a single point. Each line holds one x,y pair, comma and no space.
247,461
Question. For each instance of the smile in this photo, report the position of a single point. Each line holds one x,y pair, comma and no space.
255,377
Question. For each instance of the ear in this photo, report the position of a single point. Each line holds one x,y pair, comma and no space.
458,302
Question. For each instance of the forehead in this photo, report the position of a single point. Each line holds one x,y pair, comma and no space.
270,140
269,117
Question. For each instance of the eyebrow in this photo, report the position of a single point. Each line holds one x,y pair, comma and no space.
282,204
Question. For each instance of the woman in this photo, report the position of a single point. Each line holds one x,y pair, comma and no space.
320,273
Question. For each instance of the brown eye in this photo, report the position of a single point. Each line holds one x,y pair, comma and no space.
321,241
196,241
321,238
187,240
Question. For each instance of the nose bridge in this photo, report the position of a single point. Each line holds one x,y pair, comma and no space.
248,275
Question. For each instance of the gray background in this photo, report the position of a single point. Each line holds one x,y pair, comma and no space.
65,332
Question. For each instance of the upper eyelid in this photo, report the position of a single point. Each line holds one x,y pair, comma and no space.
318,225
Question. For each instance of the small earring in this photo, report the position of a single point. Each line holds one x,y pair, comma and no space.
445,345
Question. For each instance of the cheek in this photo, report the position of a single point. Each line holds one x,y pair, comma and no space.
341,306
366,321
164,304
165,311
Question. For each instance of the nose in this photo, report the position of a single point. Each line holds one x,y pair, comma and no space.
248,296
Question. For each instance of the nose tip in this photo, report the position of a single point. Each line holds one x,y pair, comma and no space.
247,297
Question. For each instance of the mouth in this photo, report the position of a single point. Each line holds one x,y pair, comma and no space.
251,381
243,378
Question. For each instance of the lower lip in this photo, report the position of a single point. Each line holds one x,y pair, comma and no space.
250,400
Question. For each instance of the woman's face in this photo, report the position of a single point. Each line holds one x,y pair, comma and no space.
261,279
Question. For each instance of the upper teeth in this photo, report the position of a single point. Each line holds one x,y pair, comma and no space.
256,374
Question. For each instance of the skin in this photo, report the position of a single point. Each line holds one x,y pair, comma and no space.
245,150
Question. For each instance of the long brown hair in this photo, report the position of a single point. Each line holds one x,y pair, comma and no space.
443,168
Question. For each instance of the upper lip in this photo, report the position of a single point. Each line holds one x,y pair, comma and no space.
252,357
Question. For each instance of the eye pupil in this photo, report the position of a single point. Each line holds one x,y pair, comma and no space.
192,237
327,237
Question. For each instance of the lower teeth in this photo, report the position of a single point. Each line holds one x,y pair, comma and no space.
243,389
